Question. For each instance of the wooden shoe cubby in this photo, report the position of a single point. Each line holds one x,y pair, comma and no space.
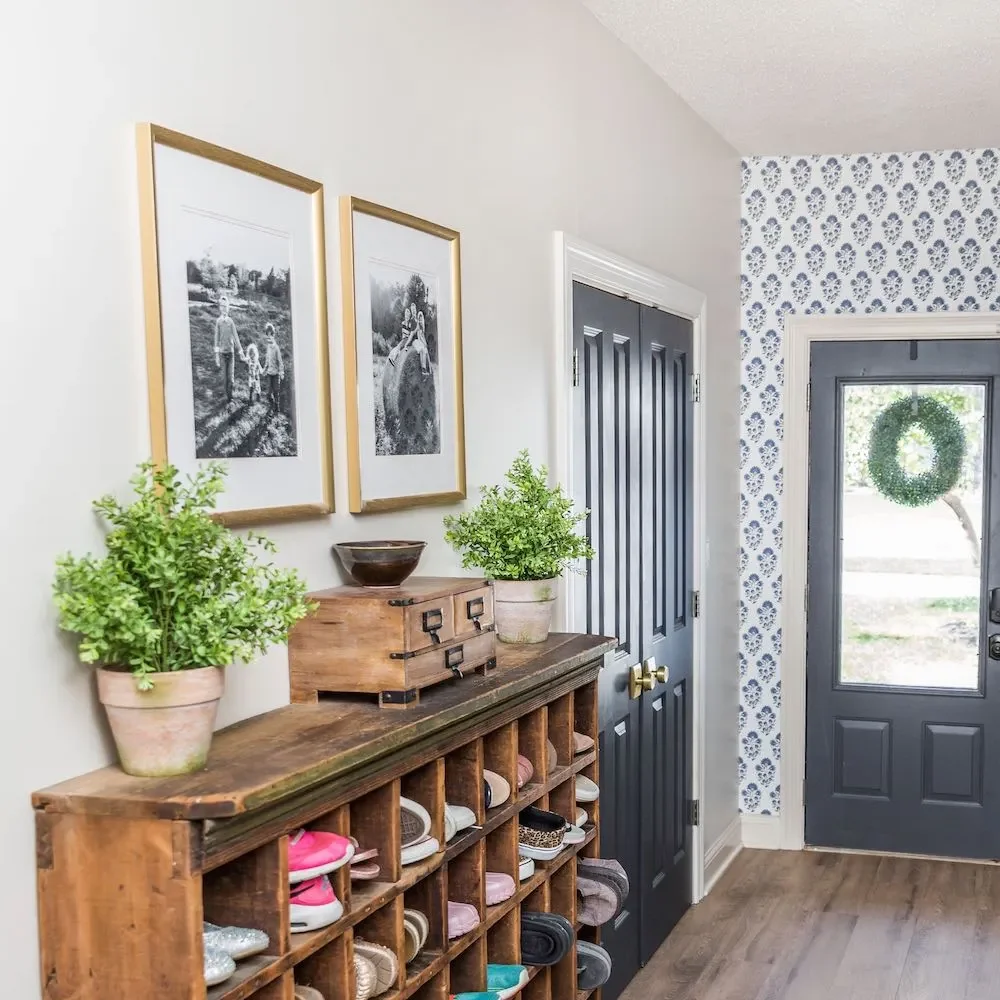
129,868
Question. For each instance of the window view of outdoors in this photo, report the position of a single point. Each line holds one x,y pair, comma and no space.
910,576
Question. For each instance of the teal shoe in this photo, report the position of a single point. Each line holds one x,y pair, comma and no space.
507,980
484,995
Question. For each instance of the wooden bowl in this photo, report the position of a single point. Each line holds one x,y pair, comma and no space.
379,563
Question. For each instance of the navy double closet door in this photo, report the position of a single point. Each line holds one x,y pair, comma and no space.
633,426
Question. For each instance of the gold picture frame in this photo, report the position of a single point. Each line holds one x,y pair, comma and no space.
359,502
148,137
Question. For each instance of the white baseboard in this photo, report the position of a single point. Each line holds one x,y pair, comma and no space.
762,832
723,853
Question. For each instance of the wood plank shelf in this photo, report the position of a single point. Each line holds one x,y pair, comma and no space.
128,868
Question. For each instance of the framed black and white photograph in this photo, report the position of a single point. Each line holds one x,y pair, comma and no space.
237,349
403,359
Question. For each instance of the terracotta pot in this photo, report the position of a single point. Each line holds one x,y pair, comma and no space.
523,609
167,730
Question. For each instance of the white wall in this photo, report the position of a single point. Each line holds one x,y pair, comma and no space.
506,121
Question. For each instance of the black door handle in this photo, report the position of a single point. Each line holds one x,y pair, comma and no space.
995,605
994,647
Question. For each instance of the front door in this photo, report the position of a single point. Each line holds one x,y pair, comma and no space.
903,697
633,461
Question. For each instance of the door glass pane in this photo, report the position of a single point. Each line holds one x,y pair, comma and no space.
910,575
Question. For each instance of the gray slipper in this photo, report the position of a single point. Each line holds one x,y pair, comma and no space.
593,966
598,901
603,870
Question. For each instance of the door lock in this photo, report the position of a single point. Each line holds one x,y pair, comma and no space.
652,674
636,682
994,646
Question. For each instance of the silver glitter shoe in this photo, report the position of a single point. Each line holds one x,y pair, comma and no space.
236,942
218,966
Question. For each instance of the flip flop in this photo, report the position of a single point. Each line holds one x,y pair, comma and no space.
365,977
360,855
586,790
366,872
546,938
462,918
525,771
419,851
498,787
582,743
499,887
593,966
384,961
414,821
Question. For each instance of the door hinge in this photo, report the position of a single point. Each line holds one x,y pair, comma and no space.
695,603
695,388
576,369
694,812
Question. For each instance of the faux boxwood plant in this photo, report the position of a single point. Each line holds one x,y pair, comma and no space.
176,590
525,530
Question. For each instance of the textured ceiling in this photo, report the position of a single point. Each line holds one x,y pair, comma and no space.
817,76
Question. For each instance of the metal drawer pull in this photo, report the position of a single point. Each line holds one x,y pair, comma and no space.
433,620
475,608
453,658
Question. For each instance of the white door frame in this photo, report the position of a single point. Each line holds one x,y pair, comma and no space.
787,831
577,260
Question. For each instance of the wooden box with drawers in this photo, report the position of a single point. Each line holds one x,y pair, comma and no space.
392,642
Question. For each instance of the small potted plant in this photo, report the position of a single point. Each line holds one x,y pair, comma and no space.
176,598
522,537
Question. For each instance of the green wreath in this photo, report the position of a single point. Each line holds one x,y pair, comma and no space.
946,435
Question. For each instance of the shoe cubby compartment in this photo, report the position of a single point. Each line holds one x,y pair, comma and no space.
374,822
330,969
503,940
500,753
501,851
251,891
562,799
215,845
562,900
426,786
463,782
532,740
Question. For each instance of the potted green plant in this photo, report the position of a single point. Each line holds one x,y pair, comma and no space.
522,536
176,598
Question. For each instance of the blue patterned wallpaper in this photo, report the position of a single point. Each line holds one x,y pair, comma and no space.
884,233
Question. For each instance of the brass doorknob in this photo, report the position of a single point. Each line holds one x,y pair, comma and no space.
653,675
636,682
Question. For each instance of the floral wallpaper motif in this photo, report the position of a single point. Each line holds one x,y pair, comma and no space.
885,233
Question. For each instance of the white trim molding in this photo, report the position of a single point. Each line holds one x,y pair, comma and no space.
723,853
800,332
577,260
761,832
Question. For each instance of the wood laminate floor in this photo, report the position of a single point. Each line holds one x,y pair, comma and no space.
810,926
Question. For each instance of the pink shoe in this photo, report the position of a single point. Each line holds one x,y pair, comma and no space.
525,772
499,887
314,905
462,918
312,853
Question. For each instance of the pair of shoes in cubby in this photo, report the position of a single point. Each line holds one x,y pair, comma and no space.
546,938
542,835
457,819
312,856
587,789
415,826
375,969
417,927
601,888
225,946
502,983
463,918
496,789
593,966
582,743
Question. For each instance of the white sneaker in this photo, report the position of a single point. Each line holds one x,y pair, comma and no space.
525,868
586,790
457,819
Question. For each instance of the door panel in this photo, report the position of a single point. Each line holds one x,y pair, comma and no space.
902,697
606,339
665,763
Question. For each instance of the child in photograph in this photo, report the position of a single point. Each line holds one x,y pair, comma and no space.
254,371
420,344
274,366
227,346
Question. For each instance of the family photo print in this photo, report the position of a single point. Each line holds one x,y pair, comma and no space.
402,359
236,331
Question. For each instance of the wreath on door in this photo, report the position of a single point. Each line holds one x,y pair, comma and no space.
947,439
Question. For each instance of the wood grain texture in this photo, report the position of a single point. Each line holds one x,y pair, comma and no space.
272,756
821,926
